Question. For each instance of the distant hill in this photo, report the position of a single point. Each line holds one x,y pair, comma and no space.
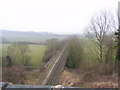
35,37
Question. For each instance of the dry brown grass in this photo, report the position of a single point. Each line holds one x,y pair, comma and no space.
91,75
14,74
97,71
18,74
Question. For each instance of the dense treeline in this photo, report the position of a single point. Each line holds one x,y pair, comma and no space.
75,52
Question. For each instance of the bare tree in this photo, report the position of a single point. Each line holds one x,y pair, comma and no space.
99,26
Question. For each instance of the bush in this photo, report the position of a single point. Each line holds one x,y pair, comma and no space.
91,76
14,74
97,71
75,52
18,54
106,69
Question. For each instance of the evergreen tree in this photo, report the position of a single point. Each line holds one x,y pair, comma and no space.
118,36
118,44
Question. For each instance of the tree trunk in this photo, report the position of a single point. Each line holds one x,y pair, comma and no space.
101,51
107,56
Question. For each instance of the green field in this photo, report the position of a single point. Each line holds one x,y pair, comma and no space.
36,53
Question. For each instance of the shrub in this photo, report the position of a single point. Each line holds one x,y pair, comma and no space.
75,52
14,74
18,54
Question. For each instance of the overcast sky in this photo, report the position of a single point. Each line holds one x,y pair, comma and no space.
56,16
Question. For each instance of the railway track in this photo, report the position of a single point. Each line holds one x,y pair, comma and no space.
58,64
